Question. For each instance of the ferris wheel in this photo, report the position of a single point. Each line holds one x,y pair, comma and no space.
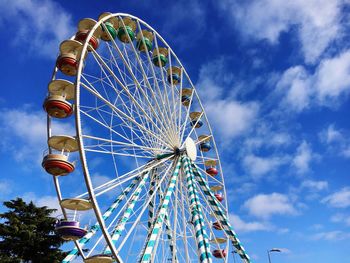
141,127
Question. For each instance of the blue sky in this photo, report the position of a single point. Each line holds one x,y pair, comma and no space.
275,80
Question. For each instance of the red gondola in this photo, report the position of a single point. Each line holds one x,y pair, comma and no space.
57,164
219,253
220,197
212,171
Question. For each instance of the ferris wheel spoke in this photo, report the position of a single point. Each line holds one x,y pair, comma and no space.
96,55
122,114
119,143
124,87
179,103
167,103
121,179
100,61
172,87
113,131
143,73
192,128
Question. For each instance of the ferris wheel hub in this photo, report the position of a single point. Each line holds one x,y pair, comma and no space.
191,149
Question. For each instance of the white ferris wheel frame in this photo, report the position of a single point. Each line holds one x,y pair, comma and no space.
79,131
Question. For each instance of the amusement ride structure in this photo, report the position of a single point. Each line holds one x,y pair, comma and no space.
139,120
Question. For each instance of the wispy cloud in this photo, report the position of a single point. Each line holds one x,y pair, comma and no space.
326,86
314,185
340,199
24,133
267,205
331,236
228,116
341,218
259,166
336,140
37,26
303,157
317,22
244,226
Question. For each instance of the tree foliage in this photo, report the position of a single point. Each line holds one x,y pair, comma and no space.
27,234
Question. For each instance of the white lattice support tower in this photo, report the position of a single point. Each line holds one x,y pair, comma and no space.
155,231
127,213
220,215
197,216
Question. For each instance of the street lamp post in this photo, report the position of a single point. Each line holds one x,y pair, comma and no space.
272,250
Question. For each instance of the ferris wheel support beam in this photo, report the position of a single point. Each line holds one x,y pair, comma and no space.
146,256
165,174
82,242
220,215
168,230
187,257
127,212
203,246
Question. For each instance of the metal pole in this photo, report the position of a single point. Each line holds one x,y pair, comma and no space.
268,254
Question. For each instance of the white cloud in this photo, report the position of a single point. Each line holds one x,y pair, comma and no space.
228,117
331,135
24,133
266,205
302,159
332,77
231,118
37,26
317,22
340,199
295,84
258,166
241,226
336,140
329,84
331,236
341,218
314,185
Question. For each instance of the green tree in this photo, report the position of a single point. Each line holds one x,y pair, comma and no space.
27,234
